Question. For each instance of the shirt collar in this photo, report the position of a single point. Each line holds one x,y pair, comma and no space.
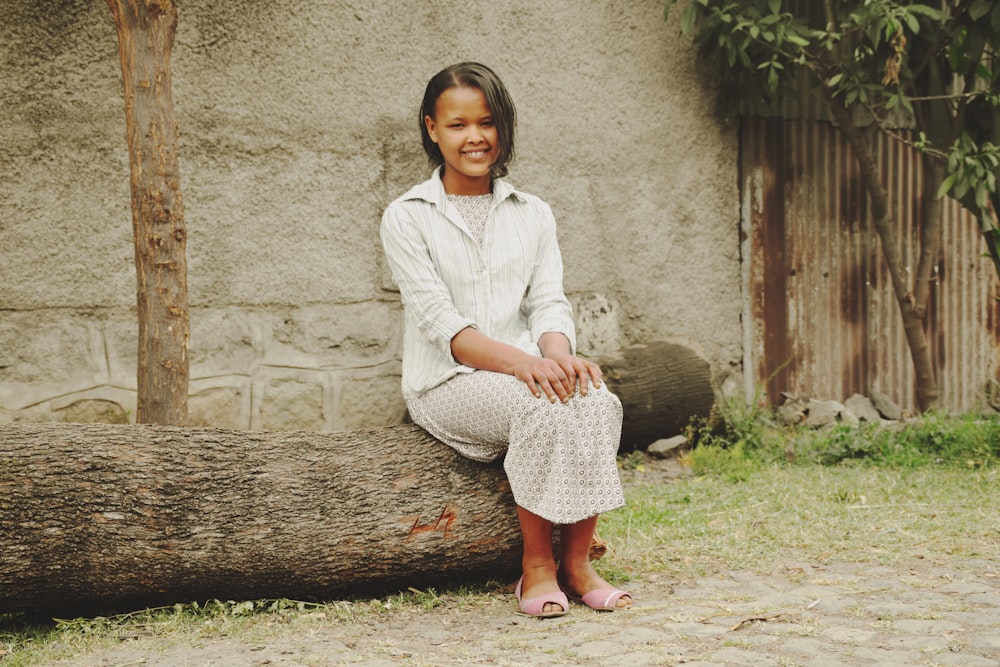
432,190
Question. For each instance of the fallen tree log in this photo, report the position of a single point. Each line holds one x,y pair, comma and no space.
103,517
662,386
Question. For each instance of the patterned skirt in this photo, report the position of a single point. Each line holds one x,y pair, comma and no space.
560,458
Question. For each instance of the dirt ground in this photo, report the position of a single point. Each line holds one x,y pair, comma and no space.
794,614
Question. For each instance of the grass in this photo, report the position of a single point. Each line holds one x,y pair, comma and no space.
737,433
28,642
760,496
707,524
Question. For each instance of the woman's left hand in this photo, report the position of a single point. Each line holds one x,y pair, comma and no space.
579,372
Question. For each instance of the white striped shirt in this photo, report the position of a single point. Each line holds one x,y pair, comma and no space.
509,287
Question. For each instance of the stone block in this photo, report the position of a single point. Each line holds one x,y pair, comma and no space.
292,404
97,405
121,343
38,346
93,411
335,336
227,341
369,400
46,353
226,406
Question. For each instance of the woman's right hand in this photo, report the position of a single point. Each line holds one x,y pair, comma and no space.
545,377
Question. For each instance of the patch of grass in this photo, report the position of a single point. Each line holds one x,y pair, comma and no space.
752,435
708,524
966,442
30,642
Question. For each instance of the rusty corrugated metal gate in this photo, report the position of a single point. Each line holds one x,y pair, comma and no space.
821,319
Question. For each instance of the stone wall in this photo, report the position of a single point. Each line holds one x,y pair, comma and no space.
298,125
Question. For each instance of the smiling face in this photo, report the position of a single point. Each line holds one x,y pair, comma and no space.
464,130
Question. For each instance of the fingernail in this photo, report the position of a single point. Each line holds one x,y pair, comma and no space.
566,400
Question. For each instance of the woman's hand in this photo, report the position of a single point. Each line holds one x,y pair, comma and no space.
557,377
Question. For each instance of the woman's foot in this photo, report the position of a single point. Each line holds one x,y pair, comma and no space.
584,584
538,593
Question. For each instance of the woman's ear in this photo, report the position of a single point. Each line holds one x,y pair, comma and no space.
431,128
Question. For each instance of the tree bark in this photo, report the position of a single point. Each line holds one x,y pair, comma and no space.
106,517
146,31
662,386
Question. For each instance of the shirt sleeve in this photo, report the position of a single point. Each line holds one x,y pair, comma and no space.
420,284
545,303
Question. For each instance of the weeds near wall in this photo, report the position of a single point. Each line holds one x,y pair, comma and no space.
737,437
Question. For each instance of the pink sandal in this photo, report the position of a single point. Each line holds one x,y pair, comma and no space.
604,599
536,606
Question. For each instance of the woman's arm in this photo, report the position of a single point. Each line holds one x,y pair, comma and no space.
420,284
555,374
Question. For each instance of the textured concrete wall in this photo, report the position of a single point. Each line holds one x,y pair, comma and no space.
298,125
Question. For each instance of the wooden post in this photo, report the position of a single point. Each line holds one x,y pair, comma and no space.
146,31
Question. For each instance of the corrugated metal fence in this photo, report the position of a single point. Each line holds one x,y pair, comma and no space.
823,320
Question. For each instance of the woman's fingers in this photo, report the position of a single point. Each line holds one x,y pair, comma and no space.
558,385
545,378
593,375
558,379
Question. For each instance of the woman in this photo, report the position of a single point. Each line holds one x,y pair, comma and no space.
488,361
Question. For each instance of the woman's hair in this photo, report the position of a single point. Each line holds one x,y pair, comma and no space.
473,75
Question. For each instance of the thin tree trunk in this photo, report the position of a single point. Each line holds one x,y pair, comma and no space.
103,517
989,226
146,31
989,222
926,387
931,213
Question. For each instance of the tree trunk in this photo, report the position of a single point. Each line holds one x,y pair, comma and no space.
145,36
107,517
926,387
662,386
989,221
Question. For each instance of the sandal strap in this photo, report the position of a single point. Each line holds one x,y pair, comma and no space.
604,599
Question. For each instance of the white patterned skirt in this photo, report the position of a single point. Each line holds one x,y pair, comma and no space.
560,457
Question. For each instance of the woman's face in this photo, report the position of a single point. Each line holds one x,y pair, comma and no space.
464,130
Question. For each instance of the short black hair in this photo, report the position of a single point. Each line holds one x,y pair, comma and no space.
473,75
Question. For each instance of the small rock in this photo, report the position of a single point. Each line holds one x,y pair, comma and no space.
790,414
862,408
885,406
667,447
823,413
